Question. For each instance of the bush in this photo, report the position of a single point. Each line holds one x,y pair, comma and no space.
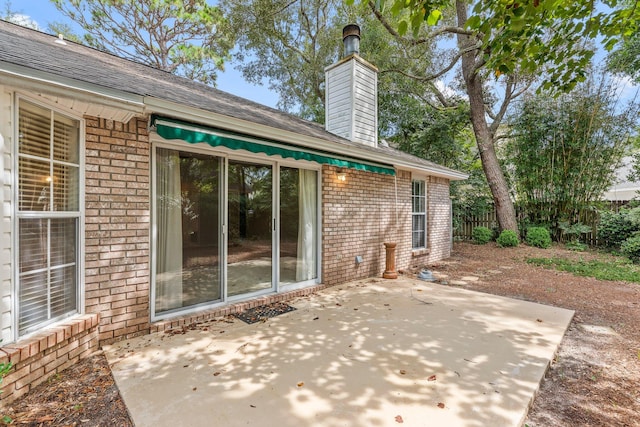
615,228
507,238
481,235
631,248
538,237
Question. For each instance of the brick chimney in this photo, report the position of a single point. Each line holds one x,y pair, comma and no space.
351,93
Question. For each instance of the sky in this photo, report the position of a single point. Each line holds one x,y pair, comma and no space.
43,12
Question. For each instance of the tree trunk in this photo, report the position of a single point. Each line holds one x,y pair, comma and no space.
505,211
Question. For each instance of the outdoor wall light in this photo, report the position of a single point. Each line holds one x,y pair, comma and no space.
342,175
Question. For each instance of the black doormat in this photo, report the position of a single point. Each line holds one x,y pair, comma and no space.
264,312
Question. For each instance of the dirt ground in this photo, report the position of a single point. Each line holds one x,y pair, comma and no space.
594,381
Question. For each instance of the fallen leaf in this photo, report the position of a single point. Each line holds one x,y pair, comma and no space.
195,388
399,419
215,374
315,318
253,406
338,304
402,372
300,384
441,405
432,378
185,366
539,320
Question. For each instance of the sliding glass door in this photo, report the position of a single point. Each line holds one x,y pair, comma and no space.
188,242
250,222
218,234
298,225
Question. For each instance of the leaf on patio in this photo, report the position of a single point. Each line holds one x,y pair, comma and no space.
300,384
215,374
402,372
539,320
431,378
441,405
399,419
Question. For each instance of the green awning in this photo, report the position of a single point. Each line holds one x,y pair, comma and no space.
193,133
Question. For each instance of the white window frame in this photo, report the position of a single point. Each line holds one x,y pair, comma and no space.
79,215
422,214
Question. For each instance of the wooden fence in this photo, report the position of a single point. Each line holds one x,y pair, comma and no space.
464,225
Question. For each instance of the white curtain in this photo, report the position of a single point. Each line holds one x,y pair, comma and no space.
307,225
169,212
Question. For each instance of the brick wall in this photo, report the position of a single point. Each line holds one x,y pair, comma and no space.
37,358
358,217
362,213
117,227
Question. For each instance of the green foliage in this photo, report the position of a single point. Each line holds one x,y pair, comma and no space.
191,39
614,268
614,228
549,34
508,238
631,248
564,151
482,235
538,237
626,59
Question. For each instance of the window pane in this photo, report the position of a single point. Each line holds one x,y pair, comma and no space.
65,139
418,223
250,227
298,225
188,218
48,289
33,241
33,300
34,130
63,241
65,188
63,290
34,184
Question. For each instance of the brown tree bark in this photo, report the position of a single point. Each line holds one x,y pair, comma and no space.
485,139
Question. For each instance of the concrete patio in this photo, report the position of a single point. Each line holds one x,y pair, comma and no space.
370,353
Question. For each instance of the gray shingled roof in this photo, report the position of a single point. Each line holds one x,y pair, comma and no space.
36,50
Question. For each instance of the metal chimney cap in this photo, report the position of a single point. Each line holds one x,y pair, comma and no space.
351,30
351,39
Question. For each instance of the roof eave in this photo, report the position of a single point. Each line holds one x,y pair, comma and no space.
220,121
39,81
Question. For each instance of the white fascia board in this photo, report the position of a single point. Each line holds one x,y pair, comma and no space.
220,121
39,81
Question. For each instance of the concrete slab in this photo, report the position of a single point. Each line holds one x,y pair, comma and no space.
371,353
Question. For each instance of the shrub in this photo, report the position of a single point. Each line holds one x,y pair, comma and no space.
481,235
507,238
538,237
615,228
631,248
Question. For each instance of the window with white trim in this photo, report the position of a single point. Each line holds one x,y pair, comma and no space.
48,214
418,214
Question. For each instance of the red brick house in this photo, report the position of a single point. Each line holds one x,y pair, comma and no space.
135,201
